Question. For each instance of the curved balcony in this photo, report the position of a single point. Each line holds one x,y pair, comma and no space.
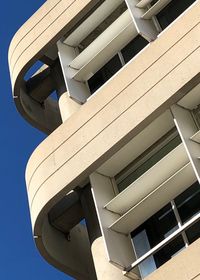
136,95
31,43
70,153
53,20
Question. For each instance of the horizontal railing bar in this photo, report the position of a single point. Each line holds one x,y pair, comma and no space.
159,246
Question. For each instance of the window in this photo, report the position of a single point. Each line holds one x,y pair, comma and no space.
104,74
172,11
149,158
108,37
188,203
134,47
103,25
118,61
162,224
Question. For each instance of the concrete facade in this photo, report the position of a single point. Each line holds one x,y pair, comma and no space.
92,142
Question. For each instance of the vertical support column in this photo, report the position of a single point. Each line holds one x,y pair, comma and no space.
187,128
76,90
66,104
146,28
112,251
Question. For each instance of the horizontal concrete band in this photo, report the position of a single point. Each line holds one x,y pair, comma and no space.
78,137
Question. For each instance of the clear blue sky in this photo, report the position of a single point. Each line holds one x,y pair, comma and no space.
19,259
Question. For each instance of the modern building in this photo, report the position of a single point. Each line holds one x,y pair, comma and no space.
114,188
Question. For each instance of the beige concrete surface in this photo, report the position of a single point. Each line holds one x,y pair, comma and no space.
159,76
67,106
116,86
40,32
70,153
71,255
77,155
104,269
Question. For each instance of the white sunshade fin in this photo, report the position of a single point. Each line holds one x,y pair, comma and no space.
84,29
137,190
163,194
102,40
155,9
143,3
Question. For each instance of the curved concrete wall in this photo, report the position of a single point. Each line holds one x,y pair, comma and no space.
53,20
155,79
134,96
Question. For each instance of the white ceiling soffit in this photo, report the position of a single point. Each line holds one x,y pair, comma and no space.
192,99
196,137
84,29
138,145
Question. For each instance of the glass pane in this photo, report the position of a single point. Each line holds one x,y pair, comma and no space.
169,251
159,226
152,232
141,246
136,45
172,11
104,74
153,2
188,202
193,233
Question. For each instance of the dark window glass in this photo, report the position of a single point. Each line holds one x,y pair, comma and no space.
172,11
193,233
154,2
188,202
168,251
159,226
104,74
157,156
136,45
152,232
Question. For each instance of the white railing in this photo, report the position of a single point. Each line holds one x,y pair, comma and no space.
167,240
